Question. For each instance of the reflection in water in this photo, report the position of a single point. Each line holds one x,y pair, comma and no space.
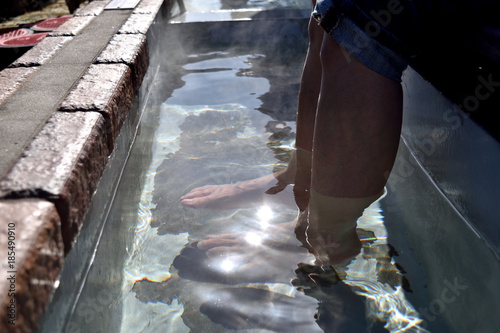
264,252
371,274
253,272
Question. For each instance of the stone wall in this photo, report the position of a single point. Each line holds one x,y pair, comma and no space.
62,105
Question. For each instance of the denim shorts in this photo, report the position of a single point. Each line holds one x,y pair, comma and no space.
385,34
366,39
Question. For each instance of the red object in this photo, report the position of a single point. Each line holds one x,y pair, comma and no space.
51,23
23,41
14,32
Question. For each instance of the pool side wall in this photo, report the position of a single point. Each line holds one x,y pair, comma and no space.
62,106
445,186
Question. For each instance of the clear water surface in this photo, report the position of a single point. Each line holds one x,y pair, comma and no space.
221,125
226,115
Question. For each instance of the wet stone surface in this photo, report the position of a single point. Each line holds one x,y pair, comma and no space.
63,164
130,50
41,53
31,262
106,88
11,79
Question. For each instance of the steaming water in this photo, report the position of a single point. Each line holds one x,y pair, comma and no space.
202,6
223,121
217,116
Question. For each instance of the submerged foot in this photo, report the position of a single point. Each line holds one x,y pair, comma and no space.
329,246
277,237
328,227
235,195
269,255
254,256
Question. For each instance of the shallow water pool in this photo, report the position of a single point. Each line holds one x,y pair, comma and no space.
224,121
223,113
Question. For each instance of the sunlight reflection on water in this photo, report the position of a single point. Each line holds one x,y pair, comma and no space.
202,139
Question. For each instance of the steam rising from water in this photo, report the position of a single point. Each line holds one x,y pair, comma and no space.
151,256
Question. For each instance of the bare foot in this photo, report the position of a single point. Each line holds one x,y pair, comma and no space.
328,227
292,237
269,254
236,195
230,195
279,237
332,246
239,194
260,255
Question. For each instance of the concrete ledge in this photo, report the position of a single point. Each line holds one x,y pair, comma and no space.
11,79
94,8
107,89
148,7
63,164
137,24
32,256
62,106
24,112
73,26
131,50
40,54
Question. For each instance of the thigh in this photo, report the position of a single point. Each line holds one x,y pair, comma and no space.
341,20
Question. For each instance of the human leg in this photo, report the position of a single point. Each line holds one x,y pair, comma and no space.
310,85
356,137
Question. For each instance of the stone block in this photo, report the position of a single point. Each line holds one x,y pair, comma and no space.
137,24
42,52
11,79
32,255
148,7
63,164
131,50
72,26
105,88
94,8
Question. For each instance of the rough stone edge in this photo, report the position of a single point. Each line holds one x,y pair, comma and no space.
41,52
11,79
72,26
37,253
137,23
112,99
147,9
93,8
139,64
63,164
131,50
